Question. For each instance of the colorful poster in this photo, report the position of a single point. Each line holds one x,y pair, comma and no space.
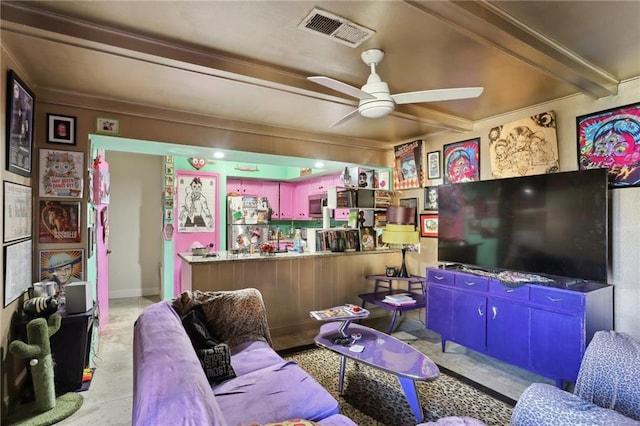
462,161
61,266
611,139
524,147
407,170
61,173
59,221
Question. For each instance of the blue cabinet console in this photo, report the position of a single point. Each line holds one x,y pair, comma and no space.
541,328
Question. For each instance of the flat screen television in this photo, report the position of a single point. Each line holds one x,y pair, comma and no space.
551,224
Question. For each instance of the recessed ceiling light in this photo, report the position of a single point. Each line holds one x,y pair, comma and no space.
318,165
218,154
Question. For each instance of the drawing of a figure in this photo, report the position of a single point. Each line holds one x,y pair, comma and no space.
195,211
525,147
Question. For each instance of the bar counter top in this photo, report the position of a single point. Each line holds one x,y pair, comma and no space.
226,256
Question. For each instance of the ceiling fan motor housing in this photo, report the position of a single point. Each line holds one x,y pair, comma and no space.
381,106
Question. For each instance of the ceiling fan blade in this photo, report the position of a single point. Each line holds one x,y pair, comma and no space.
437,95
340,87
345,118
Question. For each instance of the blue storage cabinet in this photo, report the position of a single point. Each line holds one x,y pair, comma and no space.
541,328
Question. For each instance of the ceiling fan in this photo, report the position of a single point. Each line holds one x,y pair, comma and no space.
375,99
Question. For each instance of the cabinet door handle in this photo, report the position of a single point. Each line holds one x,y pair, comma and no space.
510,290
438,277
553,299
495,312
469,283
480,311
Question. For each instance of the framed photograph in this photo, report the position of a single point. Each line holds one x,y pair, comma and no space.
19,125
429,225
611,139
413,203
462,161
17,211
108,126
61,129
433,165
367,238
67,266
61,173
91,241
431,198
59,221
17,270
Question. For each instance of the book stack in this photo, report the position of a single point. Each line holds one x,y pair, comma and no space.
399,299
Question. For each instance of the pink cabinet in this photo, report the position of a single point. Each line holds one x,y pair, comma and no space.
301,200
245,187
271,190
286,200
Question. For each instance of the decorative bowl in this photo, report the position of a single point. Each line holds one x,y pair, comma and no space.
199,251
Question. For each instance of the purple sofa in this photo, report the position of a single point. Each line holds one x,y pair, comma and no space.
171,388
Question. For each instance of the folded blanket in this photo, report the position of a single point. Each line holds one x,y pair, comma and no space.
233,317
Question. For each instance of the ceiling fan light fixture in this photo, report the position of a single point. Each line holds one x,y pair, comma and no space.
375,109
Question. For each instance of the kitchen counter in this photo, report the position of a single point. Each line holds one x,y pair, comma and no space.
226,256
292,284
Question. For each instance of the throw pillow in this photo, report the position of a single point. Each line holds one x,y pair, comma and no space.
216,363
194,324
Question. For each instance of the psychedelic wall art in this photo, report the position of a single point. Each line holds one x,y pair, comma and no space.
611,139
524,147
407,170
462,161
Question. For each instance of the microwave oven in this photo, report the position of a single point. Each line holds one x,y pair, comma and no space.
316,203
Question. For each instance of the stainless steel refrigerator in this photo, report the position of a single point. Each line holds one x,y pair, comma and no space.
248,222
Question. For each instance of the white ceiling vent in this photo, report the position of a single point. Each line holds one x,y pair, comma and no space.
335,27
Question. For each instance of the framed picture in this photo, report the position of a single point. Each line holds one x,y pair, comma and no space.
367,238
431,198
91,241
17,211
59,221
413,203
433,165
67,266
407,169
195,202
462,161
17,270
611,139
107,126
524,147
429,225
61,173
61,129
19,125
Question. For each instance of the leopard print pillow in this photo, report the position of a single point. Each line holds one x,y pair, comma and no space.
232,317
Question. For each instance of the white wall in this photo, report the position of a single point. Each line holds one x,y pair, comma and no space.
135,224
625,211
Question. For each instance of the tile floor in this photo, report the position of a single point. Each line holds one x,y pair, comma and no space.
108,400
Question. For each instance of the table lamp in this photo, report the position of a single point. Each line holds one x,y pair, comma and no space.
401,230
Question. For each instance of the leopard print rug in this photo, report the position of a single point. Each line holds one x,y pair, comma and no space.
373,397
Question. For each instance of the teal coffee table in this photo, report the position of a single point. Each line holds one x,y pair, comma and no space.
381,351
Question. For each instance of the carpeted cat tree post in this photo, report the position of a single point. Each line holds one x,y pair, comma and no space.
47,409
